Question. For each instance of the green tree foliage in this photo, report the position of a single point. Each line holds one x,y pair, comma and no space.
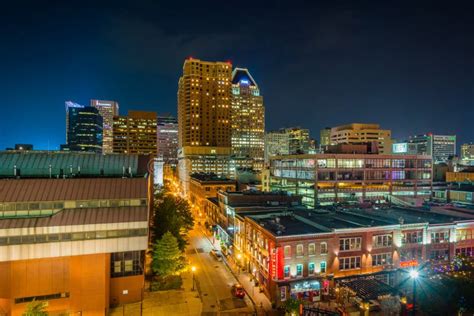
291,306
36,308
172,214
167,257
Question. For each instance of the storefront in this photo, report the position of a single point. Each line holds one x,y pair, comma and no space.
307,290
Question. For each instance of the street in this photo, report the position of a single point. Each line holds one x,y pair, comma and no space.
214,280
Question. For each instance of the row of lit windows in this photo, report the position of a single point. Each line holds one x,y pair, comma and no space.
48,238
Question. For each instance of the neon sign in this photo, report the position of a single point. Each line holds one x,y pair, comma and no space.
410,263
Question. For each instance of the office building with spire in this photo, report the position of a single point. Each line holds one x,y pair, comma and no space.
248,117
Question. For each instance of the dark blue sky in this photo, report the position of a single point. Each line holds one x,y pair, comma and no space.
409,67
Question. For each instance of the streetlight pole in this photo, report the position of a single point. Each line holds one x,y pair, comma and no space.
414,275
193,268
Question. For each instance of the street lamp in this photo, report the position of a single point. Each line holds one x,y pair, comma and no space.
193,269
414,275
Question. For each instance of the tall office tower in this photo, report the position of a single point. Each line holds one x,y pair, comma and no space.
299,140
467,153
70,105
204,119
135,133
167,139
204,107
107,109
248,116
324,138
84,129
444,147
276,144
357,133
440,147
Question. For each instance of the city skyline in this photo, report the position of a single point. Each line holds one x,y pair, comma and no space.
368,64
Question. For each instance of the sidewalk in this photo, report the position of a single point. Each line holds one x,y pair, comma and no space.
182,302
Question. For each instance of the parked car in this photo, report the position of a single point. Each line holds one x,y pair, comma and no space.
238,291
216,254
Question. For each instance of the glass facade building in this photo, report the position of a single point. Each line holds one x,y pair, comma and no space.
330,178
248,116
84,131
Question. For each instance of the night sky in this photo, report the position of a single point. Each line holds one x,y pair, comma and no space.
408,67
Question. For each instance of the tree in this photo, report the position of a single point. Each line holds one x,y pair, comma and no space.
167,258
36,308
172,214
291,306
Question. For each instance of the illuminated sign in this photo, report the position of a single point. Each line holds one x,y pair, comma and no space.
399,148
244,81
410,263
273,264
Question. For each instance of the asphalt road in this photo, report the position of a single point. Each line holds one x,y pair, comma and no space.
214,280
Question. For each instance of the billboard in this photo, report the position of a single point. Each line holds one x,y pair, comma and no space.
400,148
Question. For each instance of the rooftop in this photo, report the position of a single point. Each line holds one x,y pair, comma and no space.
210,177
37,190
300,222
45,164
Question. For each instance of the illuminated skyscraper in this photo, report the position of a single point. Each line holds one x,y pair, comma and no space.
204,105
299,140
70,105
248,116
167,138
84,129
107,109
135,133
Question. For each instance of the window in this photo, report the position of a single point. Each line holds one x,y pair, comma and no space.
311,268
286,271
117,266
299,250
440,237
287,251
127,263
311,249
349,263
380,241
299,270
381,259
412,237
442,254
324,248
322,265
346,244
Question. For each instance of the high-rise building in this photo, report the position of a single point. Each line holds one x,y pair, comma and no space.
135,133
70,105
441,147
204,104
467,153
299,140
107,109
248,116
204,119
357,133
276,144
84,129
444,147
324,137
167,139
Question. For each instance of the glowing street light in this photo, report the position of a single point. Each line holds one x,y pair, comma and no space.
414,274
193,269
